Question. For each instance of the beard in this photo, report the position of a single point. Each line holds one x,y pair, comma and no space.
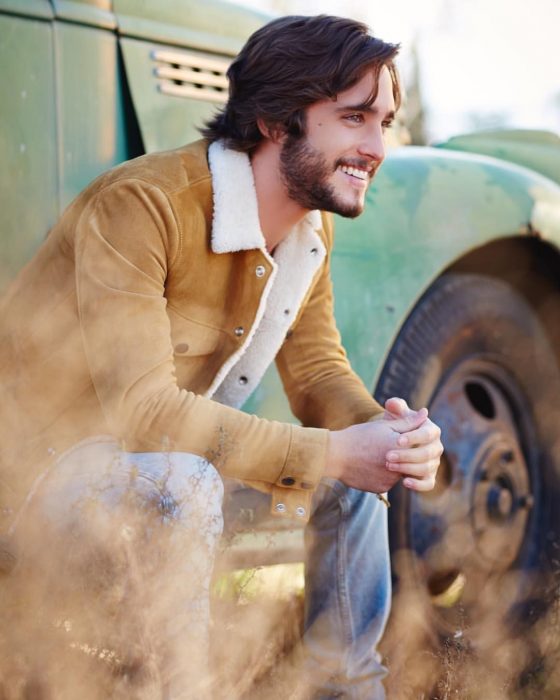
305,173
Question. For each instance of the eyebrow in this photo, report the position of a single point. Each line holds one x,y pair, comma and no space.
364,107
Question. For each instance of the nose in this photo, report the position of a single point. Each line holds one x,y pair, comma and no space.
373,145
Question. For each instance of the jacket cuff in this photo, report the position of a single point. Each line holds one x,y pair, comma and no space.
303,469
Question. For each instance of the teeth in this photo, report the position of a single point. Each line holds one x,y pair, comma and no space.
355,172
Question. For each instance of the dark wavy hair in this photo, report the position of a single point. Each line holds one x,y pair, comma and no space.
289,64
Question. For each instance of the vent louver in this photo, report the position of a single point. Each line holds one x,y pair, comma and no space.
194,75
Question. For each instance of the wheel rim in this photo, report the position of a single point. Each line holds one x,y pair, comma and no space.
468,533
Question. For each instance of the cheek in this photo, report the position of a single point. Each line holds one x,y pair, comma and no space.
326,137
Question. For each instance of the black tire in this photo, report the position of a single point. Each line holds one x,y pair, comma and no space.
481,550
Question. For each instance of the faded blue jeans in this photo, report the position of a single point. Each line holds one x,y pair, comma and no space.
347,592
94,502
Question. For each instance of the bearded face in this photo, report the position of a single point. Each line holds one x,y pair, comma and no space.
310,179
331,165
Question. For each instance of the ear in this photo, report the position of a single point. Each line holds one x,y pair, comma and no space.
274,133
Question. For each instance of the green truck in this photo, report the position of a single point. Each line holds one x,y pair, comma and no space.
447,287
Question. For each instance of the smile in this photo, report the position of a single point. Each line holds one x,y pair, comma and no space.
355,172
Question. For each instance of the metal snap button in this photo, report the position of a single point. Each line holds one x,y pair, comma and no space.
288,481
243,380
314,251
300,512
239,331
280,508
181,348
260,271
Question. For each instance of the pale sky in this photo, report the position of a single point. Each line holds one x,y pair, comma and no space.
482,63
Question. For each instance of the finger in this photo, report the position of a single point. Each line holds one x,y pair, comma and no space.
423,470
416,455
397,408
423,434
410,422
419,484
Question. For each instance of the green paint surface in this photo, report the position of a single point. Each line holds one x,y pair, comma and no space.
93,12
213,25
92,130
537,150
27,8
28,183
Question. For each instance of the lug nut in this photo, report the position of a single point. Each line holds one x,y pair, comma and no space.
527,501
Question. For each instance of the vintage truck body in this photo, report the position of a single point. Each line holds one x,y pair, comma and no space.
447,287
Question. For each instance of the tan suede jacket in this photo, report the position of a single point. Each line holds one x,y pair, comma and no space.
125,315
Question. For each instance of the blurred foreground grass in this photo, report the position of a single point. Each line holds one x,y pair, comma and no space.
258,617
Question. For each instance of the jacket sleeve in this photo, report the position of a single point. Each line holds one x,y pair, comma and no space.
126,239
321,386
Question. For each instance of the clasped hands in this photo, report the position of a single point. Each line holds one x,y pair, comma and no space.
402,444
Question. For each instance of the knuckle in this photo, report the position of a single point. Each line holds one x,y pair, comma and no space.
425,485
428,483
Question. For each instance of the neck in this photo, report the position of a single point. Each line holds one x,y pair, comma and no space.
278,213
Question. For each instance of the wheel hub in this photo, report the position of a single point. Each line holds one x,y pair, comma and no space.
473,525
500,487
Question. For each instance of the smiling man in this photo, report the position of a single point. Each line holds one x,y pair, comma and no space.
332,167
148,317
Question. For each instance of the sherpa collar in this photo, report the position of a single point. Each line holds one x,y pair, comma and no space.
236,223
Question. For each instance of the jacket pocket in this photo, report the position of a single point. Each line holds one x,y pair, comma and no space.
191,338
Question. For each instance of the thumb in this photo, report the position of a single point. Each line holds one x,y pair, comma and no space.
397,408
410,421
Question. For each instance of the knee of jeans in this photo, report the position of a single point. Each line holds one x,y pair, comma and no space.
189,490
201,478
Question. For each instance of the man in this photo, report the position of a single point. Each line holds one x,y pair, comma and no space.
149,315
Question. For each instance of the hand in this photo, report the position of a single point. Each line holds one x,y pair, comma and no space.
358,454
418,451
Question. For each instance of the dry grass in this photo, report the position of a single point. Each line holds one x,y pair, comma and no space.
256,635
493,660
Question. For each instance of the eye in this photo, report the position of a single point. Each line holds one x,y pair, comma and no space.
387,124
354,118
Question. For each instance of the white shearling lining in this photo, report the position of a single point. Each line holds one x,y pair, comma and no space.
235,225
296,259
